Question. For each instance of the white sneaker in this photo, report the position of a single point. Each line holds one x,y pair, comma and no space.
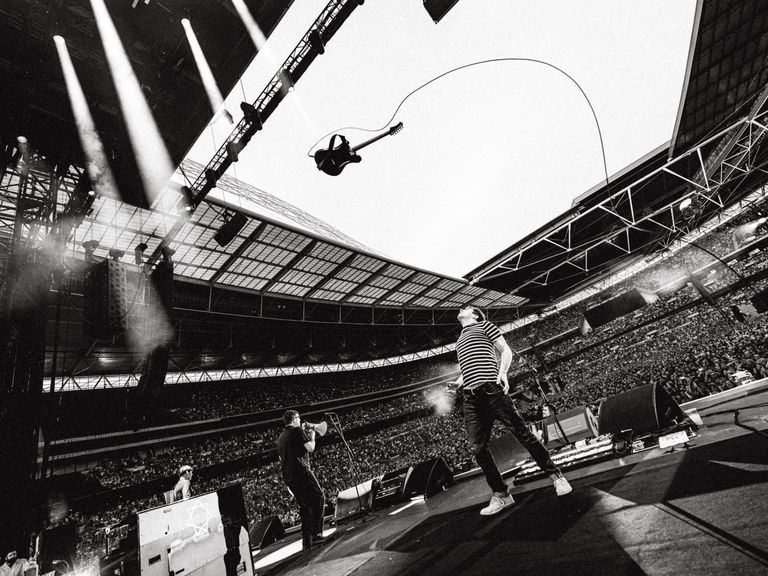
497,504
562,487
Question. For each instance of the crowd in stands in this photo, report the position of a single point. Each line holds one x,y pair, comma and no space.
262,394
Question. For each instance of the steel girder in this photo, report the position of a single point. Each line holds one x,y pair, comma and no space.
705,187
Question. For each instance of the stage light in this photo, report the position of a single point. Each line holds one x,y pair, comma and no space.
20,160
167,253
286,80
317,41
252,115
138,253
233,150
685,204
229,230
762,220
211,177
186,203
438,8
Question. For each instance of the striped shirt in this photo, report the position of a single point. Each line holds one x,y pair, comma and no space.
477,355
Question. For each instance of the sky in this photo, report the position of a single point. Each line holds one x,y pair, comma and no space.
487,154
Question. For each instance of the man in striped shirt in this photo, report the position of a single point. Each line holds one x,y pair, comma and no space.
484,385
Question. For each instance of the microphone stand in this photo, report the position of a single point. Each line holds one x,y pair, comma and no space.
552,410
336,423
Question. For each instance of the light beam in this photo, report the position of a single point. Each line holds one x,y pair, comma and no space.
96,164
206,75
152,158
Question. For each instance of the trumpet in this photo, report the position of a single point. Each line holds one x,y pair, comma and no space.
320,428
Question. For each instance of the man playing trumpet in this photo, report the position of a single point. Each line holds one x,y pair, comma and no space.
295,445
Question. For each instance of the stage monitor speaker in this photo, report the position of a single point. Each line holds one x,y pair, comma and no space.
578,424
507,451
438,8
647,408
351,502
428,478
105,302
56,548
391,487
266,531
229,230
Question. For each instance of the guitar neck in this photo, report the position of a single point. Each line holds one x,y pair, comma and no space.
370,141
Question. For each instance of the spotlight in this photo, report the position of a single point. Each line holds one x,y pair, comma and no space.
230,229
762,220
186,203
252,115
212,177
138,253
92,193
20,159
438,8
167,253
233,150
317,41
286,80
90,247
116,254
685,204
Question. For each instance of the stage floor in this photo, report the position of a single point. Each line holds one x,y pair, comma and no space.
701,510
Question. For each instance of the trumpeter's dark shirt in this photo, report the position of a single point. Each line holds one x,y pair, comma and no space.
290,446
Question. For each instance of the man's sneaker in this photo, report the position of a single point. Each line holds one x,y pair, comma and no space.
497,504
562,487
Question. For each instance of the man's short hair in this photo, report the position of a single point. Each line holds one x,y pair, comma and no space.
184,469
289,416
479,313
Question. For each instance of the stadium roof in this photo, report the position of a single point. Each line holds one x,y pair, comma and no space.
271,255
716,158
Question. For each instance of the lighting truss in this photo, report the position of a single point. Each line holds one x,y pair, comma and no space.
326,24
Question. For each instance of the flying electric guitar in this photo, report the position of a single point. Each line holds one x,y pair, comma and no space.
333,160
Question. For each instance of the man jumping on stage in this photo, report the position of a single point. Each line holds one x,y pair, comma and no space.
484,385
294,446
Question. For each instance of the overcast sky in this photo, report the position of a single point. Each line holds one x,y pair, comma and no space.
487,154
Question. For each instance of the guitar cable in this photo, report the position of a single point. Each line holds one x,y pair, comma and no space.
470,65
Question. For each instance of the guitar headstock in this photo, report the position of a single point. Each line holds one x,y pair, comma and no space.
396,128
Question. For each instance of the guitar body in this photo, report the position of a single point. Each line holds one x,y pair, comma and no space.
333,160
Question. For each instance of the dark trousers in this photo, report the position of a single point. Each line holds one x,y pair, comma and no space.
306,489
482,407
